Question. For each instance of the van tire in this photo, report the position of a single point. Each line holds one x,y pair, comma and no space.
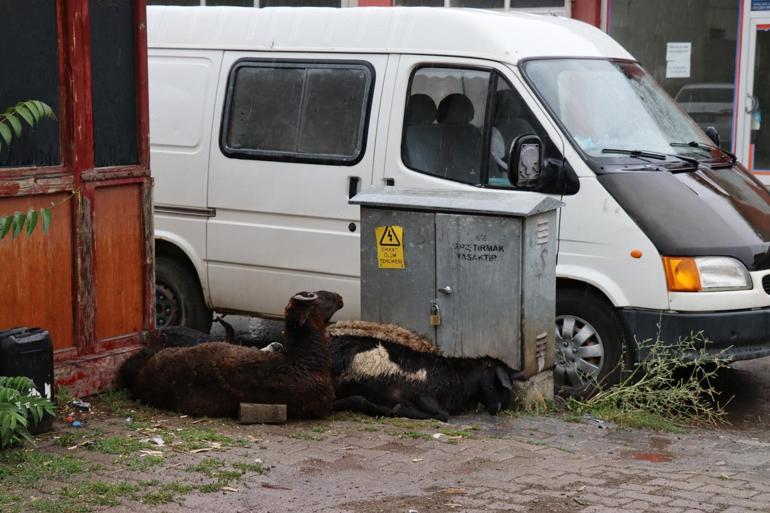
589,343
178,297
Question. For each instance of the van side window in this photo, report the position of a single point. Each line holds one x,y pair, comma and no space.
298,111
444,125
460,123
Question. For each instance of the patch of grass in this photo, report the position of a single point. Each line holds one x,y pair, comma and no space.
349,416
305,435
256,468
24,466
404,423
210,487
199,438
9,503
318,429
166,494
229,475
63,396
139,463
207,466
58,505
120,403
416,435
369,429
637,419
69,438
464,433
99,493
117,445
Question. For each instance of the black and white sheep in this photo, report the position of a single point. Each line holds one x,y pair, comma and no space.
213,378
384,378
382,331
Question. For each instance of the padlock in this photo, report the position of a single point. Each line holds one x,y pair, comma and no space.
435,316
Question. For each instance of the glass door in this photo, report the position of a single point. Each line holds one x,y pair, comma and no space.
756,106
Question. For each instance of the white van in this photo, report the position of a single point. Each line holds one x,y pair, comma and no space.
264,122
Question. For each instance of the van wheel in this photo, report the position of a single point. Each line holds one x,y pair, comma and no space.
178,297
589,343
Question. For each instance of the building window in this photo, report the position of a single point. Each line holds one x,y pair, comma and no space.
419,3
174,2
478,4
693,61
232,3
300,111
299,3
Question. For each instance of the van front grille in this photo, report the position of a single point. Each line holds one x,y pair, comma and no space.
766,283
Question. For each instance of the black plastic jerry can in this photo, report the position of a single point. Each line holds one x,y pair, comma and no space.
29,352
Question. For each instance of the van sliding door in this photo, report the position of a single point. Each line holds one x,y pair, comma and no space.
296,140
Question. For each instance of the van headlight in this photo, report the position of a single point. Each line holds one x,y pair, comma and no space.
696,274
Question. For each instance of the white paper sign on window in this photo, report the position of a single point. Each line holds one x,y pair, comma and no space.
678,60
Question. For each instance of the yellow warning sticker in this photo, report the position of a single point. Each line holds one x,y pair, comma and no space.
390,247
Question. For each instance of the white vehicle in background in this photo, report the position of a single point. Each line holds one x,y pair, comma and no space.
264,122
710,104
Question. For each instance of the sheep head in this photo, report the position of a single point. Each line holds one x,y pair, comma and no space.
496,386
328,304
321,305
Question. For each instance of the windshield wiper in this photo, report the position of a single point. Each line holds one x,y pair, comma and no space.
651,155
704,146
636,153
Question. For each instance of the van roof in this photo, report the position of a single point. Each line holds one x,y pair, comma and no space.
506,37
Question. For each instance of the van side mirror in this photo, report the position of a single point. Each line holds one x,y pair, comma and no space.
713,134
525,161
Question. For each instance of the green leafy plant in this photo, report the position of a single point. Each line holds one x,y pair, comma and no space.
19,405
672,388
15,223
31,111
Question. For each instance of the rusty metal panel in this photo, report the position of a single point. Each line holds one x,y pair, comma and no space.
400,296
539,292
118,260
478,279
36,287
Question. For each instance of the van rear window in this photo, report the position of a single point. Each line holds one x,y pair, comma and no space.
298,111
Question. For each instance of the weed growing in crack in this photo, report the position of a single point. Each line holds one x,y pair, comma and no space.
670,389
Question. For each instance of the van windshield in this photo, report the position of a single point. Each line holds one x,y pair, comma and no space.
607,104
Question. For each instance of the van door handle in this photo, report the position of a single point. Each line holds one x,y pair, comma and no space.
353,182
753,104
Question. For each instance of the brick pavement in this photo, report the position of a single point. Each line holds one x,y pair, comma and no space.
530,464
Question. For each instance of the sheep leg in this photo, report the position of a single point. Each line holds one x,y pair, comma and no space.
434,409
410,412
363,405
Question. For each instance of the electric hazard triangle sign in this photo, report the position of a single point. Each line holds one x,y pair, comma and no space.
390,237
390,247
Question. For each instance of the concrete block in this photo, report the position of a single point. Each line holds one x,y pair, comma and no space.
251,413
535,391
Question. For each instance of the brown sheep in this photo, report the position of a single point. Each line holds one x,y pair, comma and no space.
213,378
384,332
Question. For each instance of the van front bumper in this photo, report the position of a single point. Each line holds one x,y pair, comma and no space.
742,334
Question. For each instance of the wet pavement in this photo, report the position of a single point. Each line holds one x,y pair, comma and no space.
355,464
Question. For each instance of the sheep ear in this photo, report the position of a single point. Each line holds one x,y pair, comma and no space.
503,377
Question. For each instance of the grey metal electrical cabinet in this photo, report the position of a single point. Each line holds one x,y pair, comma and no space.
472,270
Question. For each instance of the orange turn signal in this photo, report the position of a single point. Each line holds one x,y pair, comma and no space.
681,274
636,253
